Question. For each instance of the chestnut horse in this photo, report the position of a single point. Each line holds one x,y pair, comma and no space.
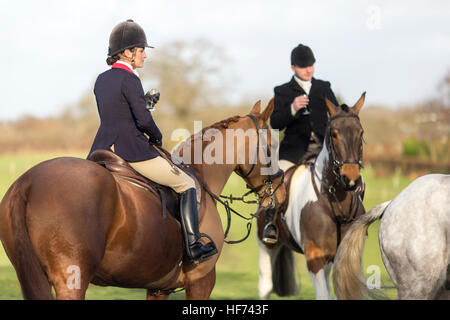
321,203
68,222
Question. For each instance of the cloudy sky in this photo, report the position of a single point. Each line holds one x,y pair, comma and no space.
397,51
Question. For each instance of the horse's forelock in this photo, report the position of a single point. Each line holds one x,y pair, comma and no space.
344,111
345,108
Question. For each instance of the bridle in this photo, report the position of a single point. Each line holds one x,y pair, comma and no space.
267,191
267,185
336,163
336,169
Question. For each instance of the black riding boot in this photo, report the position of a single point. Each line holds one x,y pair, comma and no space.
270,232
313,150
196,251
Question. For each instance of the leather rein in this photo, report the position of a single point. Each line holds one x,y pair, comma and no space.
268,191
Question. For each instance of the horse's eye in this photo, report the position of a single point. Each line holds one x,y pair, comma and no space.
334,135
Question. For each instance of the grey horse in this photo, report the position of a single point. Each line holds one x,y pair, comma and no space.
414,237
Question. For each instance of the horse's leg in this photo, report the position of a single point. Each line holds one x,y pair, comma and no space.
159,297
201,289
327,277
71,252
408,265
70,282
64,293
317,268
265,284
421,286
71,258
320,284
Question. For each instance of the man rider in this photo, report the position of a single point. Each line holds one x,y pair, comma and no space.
300,109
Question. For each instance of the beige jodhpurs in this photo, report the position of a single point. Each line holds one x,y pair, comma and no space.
285,164
160,171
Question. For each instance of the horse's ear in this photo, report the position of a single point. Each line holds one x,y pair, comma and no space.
256,110
330,106
267,111
358,105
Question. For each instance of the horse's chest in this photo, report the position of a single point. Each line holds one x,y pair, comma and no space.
302,199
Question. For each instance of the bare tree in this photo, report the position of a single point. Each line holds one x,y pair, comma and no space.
189,74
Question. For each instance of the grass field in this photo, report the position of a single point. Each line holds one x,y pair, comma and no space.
237,269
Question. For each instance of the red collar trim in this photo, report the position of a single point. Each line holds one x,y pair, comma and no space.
121,66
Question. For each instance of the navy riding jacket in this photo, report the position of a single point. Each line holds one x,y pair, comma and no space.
123,116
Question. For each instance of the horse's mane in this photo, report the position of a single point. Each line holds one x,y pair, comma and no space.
222,124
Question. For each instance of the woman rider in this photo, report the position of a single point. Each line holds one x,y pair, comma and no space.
124,121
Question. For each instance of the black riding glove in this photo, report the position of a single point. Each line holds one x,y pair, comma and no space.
155,141
152,98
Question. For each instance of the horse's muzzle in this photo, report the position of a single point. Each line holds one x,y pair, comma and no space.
350,175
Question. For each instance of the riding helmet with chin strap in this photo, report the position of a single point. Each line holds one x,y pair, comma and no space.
126,35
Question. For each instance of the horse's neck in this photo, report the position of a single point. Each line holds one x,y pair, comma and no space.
323,167
322,163
215,175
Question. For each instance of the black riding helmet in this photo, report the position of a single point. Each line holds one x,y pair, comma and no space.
126,35
302,56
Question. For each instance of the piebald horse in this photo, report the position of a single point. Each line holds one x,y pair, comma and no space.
68,222
322,201
414,237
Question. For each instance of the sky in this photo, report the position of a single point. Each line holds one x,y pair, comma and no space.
396,51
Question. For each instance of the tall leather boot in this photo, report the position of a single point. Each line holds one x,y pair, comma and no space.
196,251
313,149
270,232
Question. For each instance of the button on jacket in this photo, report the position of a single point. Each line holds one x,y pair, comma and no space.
298,127
123,116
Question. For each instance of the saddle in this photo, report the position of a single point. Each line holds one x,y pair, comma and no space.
121,169
289,174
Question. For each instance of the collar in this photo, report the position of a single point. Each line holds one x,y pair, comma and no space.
295,86
306,85
126,66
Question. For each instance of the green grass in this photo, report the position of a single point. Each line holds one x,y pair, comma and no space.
237,269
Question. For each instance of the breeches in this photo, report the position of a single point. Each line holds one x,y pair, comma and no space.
160,171
285,164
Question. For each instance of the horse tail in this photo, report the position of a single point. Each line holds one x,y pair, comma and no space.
32,278
283,275
348,277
